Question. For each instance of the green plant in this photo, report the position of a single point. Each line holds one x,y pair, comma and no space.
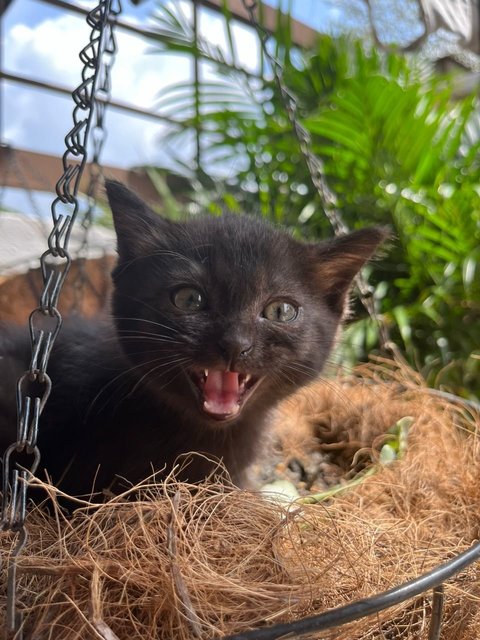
396,149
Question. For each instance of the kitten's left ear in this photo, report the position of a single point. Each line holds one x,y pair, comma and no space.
339,260
138,228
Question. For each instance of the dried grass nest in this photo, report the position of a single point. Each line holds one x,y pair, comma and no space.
184,562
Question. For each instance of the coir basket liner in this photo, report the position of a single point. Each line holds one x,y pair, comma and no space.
178,562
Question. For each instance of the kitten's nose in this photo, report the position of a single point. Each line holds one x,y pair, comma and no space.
234,348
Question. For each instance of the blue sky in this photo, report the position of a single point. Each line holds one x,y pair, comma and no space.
43,41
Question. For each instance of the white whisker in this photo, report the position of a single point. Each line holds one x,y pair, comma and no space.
120,375
172,362
157,324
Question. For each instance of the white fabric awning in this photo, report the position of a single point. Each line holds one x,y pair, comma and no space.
23,240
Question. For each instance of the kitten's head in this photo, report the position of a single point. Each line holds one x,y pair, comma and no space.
224,316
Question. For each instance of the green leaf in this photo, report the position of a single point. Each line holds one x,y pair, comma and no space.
387,454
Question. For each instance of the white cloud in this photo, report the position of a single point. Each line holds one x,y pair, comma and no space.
48,51
248,47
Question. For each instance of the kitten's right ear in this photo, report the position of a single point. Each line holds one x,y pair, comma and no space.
138,228
338,260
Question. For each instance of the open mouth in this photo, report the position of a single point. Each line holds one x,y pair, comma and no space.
223,393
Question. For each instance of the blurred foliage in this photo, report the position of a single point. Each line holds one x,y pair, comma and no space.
398,149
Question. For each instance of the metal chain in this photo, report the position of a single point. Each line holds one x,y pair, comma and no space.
34,386
98,136
317,173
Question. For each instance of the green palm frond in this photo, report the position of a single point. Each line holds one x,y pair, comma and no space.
175,34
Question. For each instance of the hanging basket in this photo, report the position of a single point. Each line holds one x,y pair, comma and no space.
184,562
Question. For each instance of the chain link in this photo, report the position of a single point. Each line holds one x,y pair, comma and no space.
98,138
317,173
34,386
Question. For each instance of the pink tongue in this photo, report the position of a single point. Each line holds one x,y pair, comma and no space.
221,393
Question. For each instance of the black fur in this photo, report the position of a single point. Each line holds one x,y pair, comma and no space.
123,402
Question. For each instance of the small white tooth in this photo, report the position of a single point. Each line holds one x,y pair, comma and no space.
206,373
247,377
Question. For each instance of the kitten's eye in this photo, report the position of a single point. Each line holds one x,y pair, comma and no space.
280,311
189,299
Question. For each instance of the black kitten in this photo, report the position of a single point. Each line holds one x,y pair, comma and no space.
215,321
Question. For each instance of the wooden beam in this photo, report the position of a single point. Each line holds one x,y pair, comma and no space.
23,169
